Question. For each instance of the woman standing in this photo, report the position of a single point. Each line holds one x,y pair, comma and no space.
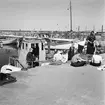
71,51
90,43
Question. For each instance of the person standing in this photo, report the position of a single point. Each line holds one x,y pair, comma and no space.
90,43
71,51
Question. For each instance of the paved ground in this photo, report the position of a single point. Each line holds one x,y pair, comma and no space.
56,85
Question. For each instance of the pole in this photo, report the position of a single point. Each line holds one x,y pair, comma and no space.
102,28
78,28
86,28
93,28
70,17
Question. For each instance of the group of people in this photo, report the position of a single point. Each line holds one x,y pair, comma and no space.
88,57
80,57
33,56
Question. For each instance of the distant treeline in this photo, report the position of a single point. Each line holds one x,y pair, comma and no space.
56,34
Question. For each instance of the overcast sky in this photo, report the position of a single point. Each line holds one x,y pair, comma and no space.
51,14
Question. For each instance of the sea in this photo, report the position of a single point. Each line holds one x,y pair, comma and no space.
5,53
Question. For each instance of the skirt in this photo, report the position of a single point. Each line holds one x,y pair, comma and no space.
90,48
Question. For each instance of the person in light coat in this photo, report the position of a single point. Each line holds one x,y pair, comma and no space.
57,56
64,57
96,60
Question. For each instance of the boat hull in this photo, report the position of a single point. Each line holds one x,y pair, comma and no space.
8,41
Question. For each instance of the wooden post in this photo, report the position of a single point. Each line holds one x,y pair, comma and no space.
48,43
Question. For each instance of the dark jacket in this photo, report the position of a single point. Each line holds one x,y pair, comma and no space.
30,57
90,44
70,53
36,51
91,39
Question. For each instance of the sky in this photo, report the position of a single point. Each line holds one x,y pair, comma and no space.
51,14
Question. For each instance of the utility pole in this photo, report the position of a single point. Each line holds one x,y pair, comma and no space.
70,17
86,28
93,28
102,29
78,28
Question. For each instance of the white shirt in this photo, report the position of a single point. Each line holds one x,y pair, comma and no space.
64,58
57,57
96,59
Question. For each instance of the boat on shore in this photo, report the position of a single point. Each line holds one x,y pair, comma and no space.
8,41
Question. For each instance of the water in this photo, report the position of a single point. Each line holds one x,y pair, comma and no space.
5,52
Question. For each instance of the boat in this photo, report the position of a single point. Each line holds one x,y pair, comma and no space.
9,69
8,41
66,43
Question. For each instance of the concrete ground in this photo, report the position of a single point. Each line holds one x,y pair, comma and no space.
55,85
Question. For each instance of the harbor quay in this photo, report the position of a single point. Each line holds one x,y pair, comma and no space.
55,85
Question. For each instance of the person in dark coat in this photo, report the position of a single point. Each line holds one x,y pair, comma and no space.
90,43
30,57
71,51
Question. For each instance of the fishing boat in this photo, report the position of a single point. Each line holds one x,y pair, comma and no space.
8,41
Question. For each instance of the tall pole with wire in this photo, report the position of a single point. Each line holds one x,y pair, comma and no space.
70,16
